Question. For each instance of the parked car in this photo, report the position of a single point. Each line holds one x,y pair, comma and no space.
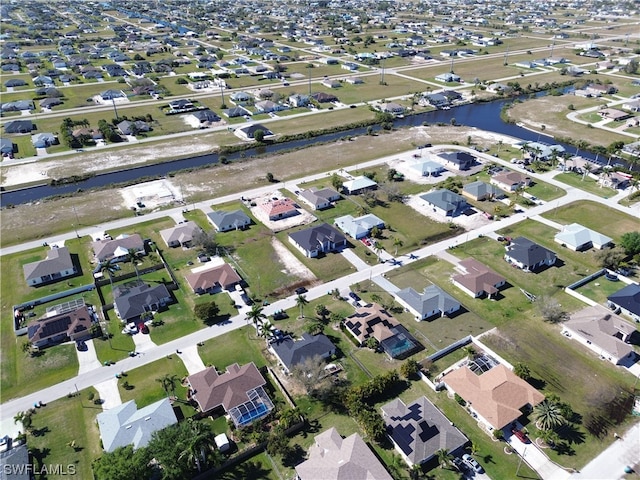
300,290
520,435
472,463
460,465
143,328
354,296
81,346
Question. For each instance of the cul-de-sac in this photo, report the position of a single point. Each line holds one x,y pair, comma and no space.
319,240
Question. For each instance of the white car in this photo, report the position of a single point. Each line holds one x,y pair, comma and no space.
475,466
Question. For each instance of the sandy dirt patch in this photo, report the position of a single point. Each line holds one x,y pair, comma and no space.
150,194
293,266
302,218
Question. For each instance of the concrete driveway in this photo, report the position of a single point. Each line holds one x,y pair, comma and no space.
191,359
109,393
88,360
143,342
536,459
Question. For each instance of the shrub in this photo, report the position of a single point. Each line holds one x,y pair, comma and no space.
460,400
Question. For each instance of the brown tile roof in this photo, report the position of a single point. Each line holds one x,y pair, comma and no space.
371,321
510,178
74,324
335,458
228,390
223,275
497,395
105,249
276,208
478,277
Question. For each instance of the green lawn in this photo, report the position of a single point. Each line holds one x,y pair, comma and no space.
238,346
587,184
117,347
599,289
593,215
57,425
146,389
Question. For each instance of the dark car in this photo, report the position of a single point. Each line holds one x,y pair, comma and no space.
300,290
460,465
354,296
520,435
81,346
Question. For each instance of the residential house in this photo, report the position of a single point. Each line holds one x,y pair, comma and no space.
61,327
335,458
628,300
597,89
50,102
248,132
239,392
127,127
359,185
510,181
225,221
445,202
18,126
498,396
354,81
330,83
477,279
131,302
290,352
458,160
126,425
15,462
17,106
181,235
15,82
319,198
213,280
298,100
267,106
419,430
428,168
279,209
372,321
322,97
241,98
392,108
238,111
44,140
112,95
480,191
57,265
317,239
180,105
615,180
578,238
201,118
7,147
602,331
614,114
447,77
359,227
436,100
118,248
432,301
528,255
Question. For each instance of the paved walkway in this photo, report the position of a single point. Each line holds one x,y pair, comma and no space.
385,284
191,359
143,342
109,393
610,464
546,221
354,259
445,255
537,459
88,359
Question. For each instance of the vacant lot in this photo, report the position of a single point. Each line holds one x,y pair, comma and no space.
595,216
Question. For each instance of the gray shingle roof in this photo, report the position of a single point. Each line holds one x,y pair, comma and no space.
292,353
58,260
433,298
445,200
125,424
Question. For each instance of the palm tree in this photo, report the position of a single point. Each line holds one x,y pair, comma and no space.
378,248
26,348
301,301
376,298
255,316
548,415
132,257
168,383
322,311
444,458
586,169
108,267
193,450
397,243
265,329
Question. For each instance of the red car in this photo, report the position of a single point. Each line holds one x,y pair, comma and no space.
143,328
520,435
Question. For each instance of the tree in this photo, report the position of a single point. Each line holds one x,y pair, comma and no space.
132,257
26,348
265,329
397,243
314,327
409,369
444,458
258,135
108,267
550,309
631,67
278,442
124,463
322,311
630,241
207,312
168,383
195,447
610,257
547,415
522,371
301,301
270,177
310,373
336,182
371,343
378,249
206,241
255,316
376,232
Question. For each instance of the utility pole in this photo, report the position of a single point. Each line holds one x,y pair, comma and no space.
115,110
382,71
221,91
506,56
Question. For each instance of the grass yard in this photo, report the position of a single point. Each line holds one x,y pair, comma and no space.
568,370
146,389
599,289
57,425
238,346
178,320
588,184
259,467
329,118
118,346
593,215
